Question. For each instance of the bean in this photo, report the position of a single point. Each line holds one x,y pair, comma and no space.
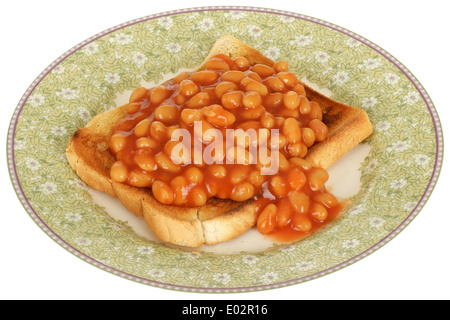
317,178
263,70
316,111
164,162
252,100
275,84
319,128
233,76
188,88
281,66
291,100
167,114
205,77
159,94
117,142
194,175
140,179
299,201
242,192
305,106
318,212
232,100
162,192
119,172
327,199
267,218
138,94
145,161
197,197
296,179
189,116
301,223
225,87
217,64
284,212
288,78
291,130
308,137
242,63
278,187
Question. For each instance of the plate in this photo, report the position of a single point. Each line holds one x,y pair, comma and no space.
392,173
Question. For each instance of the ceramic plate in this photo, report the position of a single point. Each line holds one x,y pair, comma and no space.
393,172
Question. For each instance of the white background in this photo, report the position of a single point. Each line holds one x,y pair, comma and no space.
414,265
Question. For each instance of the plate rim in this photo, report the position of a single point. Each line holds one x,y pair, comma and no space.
414,212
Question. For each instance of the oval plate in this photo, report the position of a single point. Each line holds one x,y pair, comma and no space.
395,178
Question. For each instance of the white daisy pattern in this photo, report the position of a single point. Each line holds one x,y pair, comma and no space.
122,38
356,209
112,78
173,47
69,94
398,184
321,57
138,58
391,79
59,69
90,49
371,64
223,278
156,273
409,206
301,40
19,144
400,146
340,78
421,160
78,184
269,277
383,125
165,22
235,14
48,187
371,165
249,260
83,242
376,222
58,130
84,113
73,216
254,31
32,164
145,250
36,100
352,43
287,19
369,102
206,24
272,52
412,98
350,244
305,265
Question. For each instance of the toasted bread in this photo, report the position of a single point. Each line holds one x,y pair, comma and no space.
219,220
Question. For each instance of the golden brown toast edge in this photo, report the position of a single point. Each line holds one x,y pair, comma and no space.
219,220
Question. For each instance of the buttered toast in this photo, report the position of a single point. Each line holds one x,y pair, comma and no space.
89,154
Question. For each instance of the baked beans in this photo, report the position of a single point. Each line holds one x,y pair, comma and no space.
251,100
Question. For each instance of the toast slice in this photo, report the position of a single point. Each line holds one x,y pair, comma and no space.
219,220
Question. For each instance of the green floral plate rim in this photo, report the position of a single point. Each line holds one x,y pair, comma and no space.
413,210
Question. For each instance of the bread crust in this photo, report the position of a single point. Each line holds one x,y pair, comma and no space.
219,220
